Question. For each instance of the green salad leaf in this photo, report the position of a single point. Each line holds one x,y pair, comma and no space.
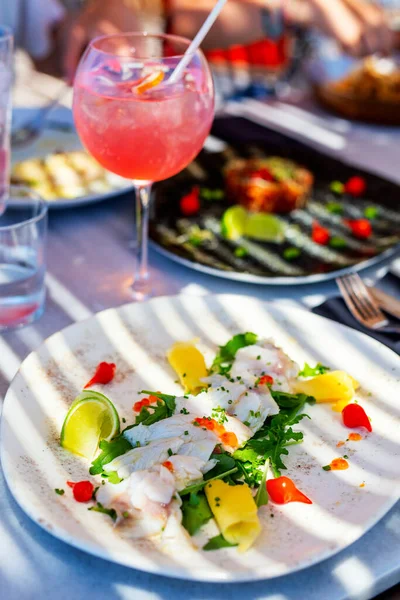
271,442
290,401
218,542
196,487
226,354
109,451
195,512
308,371
168,400
261,496
111,512
225,463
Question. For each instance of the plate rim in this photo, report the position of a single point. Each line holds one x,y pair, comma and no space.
275,281
178,573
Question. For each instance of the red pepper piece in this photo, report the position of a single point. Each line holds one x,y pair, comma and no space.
190,204
168,465
263,173
282,490
266,380
361,228
82,490
104,373
355,416
355,186
144,402
320,235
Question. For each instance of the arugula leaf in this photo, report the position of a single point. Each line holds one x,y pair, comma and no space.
111,512
271,442
195,512
218,542
109,451
196,487
168,400
225,463
226,355
261,496
285,400
308,371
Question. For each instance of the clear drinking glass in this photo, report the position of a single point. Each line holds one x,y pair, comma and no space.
22,259
6,53
137,123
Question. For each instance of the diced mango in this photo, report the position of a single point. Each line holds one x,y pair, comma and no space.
334,386
189,364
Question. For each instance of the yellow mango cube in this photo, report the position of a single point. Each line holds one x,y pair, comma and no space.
189,364
333,386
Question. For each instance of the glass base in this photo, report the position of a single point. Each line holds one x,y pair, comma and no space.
15,317
141,290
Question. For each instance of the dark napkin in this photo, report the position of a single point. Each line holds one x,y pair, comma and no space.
336,309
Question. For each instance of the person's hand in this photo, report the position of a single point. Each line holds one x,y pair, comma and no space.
99,17
359,26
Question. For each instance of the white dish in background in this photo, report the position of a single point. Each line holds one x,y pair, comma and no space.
136,337
54,140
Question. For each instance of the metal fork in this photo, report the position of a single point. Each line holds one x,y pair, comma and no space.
362,305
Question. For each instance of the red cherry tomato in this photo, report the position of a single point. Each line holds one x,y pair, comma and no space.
361,228
266,380
282,490
356,186
82,490
320,235
355,416
190,204
104,373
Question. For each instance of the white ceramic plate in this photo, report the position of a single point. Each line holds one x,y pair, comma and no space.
53,140
136,337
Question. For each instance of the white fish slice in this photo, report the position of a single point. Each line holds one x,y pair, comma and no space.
144,457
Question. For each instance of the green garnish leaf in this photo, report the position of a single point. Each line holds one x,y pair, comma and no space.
168,400
225,463
195,512
112,477
327,468
308,371
218,542
240,252
337,242
371,212
336,187
291,401
111,512
226,355
334,208
109,451
261,497
212,195
196,487
291,253
59,491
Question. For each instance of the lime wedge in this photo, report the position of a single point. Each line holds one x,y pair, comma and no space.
233,222
92,417
264,227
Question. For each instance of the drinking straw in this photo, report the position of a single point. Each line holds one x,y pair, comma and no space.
199,37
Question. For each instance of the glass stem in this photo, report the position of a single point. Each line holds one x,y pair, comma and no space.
141,284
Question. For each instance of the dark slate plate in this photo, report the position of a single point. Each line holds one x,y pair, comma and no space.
266,262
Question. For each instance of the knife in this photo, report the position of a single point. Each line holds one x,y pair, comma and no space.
390,304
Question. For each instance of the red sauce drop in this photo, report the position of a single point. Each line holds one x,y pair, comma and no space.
339,464
104,373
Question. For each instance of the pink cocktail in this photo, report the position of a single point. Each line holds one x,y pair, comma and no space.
135,121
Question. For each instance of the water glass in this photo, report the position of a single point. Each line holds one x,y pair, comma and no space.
22,259
6,53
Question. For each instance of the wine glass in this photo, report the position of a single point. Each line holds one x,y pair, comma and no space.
139,124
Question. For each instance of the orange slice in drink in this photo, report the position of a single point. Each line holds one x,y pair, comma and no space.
149,82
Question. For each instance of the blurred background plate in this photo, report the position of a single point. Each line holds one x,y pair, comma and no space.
59,136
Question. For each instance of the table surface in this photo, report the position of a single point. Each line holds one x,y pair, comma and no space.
89,269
